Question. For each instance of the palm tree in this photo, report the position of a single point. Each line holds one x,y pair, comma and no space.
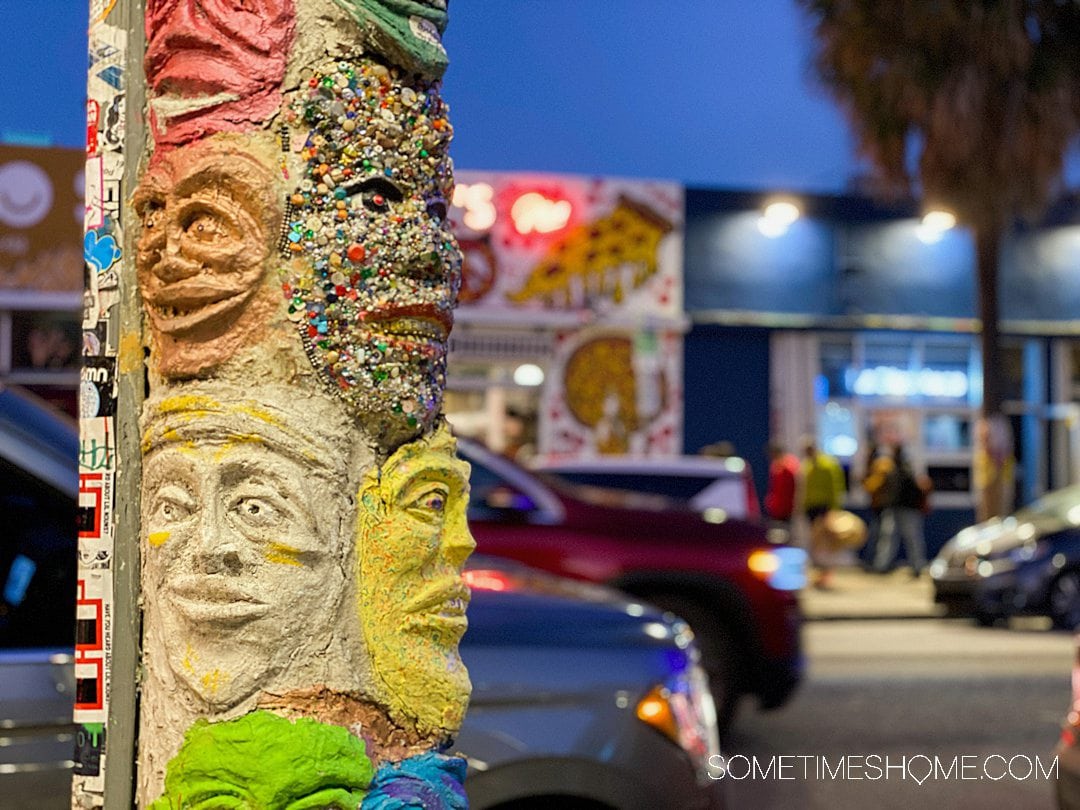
973,104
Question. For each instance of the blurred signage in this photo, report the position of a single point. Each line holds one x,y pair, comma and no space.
41,218
889,381
562,249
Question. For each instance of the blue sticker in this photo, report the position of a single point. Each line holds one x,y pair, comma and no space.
19,576
101,252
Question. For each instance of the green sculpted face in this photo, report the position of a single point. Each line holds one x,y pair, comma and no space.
264,761
409,32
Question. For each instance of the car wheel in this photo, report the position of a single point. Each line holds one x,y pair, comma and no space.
1064,599
721,657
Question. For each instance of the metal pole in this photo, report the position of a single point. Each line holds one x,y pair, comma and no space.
107,652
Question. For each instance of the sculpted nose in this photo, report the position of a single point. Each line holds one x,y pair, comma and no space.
216,551
173,267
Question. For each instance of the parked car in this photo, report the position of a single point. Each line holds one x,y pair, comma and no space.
39,485
582,695
582,698
1026,563
737,591
702,482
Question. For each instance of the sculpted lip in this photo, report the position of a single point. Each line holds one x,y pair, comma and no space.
178,308
211,600
444,601
417,320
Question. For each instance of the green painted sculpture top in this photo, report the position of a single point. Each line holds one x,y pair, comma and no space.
407,32
267,762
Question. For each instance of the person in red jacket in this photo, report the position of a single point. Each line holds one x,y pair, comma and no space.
780,493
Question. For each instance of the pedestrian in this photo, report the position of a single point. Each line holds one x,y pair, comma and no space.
823,489
902,516
784,474
879,464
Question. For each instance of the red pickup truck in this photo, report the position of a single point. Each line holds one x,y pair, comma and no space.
738,591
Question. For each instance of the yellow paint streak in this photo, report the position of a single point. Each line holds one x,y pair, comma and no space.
130,353
157,539
214,680
186,663
284,554
234,442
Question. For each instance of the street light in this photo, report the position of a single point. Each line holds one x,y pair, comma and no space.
935,223
778,217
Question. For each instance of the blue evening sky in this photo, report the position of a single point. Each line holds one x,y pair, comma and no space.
707,92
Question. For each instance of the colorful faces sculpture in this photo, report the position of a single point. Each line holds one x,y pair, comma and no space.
374,270
243,559
214,65
413,541
208,222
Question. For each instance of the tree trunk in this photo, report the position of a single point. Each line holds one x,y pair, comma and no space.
993,458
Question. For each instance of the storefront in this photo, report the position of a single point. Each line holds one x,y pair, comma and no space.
864,321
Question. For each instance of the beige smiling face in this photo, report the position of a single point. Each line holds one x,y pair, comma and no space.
239,573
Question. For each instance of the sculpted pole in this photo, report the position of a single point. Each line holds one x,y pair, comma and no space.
302,522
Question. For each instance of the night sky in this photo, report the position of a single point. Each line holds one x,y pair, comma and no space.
707,92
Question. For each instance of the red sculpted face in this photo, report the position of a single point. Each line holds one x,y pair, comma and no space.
214,65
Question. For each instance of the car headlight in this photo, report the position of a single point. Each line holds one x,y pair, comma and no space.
782,568
682,709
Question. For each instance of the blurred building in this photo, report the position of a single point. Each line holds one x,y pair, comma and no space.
602,316
41,270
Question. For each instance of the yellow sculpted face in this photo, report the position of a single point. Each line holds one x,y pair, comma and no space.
414,540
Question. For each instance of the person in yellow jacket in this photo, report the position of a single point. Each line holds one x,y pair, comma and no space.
823,489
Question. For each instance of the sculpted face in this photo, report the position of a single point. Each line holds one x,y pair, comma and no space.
214,65
414,539
243,556
208,220
374,270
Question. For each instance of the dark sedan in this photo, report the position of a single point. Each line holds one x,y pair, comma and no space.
1025,564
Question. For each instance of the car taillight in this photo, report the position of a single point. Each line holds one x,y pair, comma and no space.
782,568
487,580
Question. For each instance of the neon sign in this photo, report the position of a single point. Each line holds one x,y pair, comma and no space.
534,213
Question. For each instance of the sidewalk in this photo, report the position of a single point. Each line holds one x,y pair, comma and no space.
856,594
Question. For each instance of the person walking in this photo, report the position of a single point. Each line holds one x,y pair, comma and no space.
879,465
783,484
823,489
902,517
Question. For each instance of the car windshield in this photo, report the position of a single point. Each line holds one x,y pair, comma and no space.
1061,506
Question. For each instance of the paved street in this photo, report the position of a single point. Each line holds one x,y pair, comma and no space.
909,687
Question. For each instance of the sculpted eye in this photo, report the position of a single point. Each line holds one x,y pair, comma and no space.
256,512
172,507
378,193
436,208
206,227
428,503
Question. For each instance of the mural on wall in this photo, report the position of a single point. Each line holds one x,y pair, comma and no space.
597,264
302,508
547,245
618,392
